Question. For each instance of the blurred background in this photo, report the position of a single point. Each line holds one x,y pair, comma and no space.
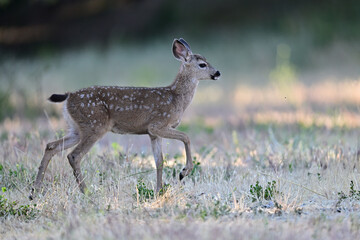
282,62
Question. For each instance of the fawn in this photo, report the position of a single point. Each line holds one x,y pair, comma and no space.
93,111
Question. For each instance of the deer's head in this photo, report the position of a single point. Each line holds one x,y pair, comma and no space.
194,64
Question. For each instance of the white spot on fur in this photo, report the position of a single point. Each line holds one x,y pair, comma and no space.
169,99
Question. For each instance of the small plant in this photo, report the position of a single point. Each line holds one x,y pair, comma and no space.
102,177
219,210
215,210
10,177
8,208
353,195
196,170
145,193
170,172
142,191
60,133
164,189
259,193
18,172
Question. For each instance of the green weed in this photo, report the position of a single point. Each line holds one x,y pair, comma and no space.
196,171
215,210
16,175
260,193
8,208
353,195
142,192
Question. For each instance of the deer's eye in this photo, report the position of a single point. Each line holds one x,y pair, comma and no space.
202,65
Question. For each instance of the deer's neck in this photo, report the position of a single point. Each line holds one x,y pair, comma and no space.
184,86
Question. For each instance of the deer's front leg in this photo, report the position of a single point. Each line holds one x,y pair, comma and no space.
156,145
175,134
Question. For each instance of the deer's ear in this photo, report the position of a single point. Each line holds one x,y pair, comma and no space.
181,51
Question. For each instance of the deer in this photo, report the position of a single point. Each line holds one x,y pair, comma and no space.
156,111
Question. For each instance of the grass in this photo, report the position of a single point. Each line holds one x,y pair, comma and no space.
265,182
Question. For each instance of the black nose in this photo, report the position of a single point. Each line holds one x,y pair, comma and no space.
217,74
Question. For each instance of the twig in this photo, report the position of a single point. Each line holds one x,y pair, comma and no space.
137,173
294,183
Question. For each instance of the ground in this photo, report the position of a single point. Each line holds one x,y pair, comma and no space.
267,169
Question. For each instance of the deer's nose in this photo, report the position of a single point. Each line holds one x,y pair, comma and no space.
215,76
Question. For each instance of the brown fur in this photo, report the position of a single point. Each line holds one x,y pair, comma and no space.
93,111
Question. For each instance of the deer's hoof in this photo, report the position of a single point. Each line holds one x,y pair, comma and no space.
31,197
181,176
183,173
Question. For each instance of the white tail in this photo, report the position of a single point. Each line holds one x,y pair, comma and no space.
93,111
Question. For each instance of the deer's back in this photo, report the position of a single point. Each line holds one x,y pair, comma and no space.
123,109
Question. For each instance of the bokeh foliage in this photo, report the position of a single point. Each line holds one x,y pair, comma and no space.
77,21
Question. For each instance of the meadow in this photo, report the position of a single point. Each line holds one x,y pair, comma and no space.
276,150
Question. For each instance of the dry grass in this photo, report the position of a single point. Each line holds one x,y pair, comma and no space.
309,149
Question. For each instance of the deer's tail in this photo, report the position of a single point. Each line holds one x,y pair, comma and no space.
58,97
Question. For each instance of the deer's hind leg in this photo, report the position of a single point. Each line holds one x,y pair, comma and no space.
86,142
51,149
